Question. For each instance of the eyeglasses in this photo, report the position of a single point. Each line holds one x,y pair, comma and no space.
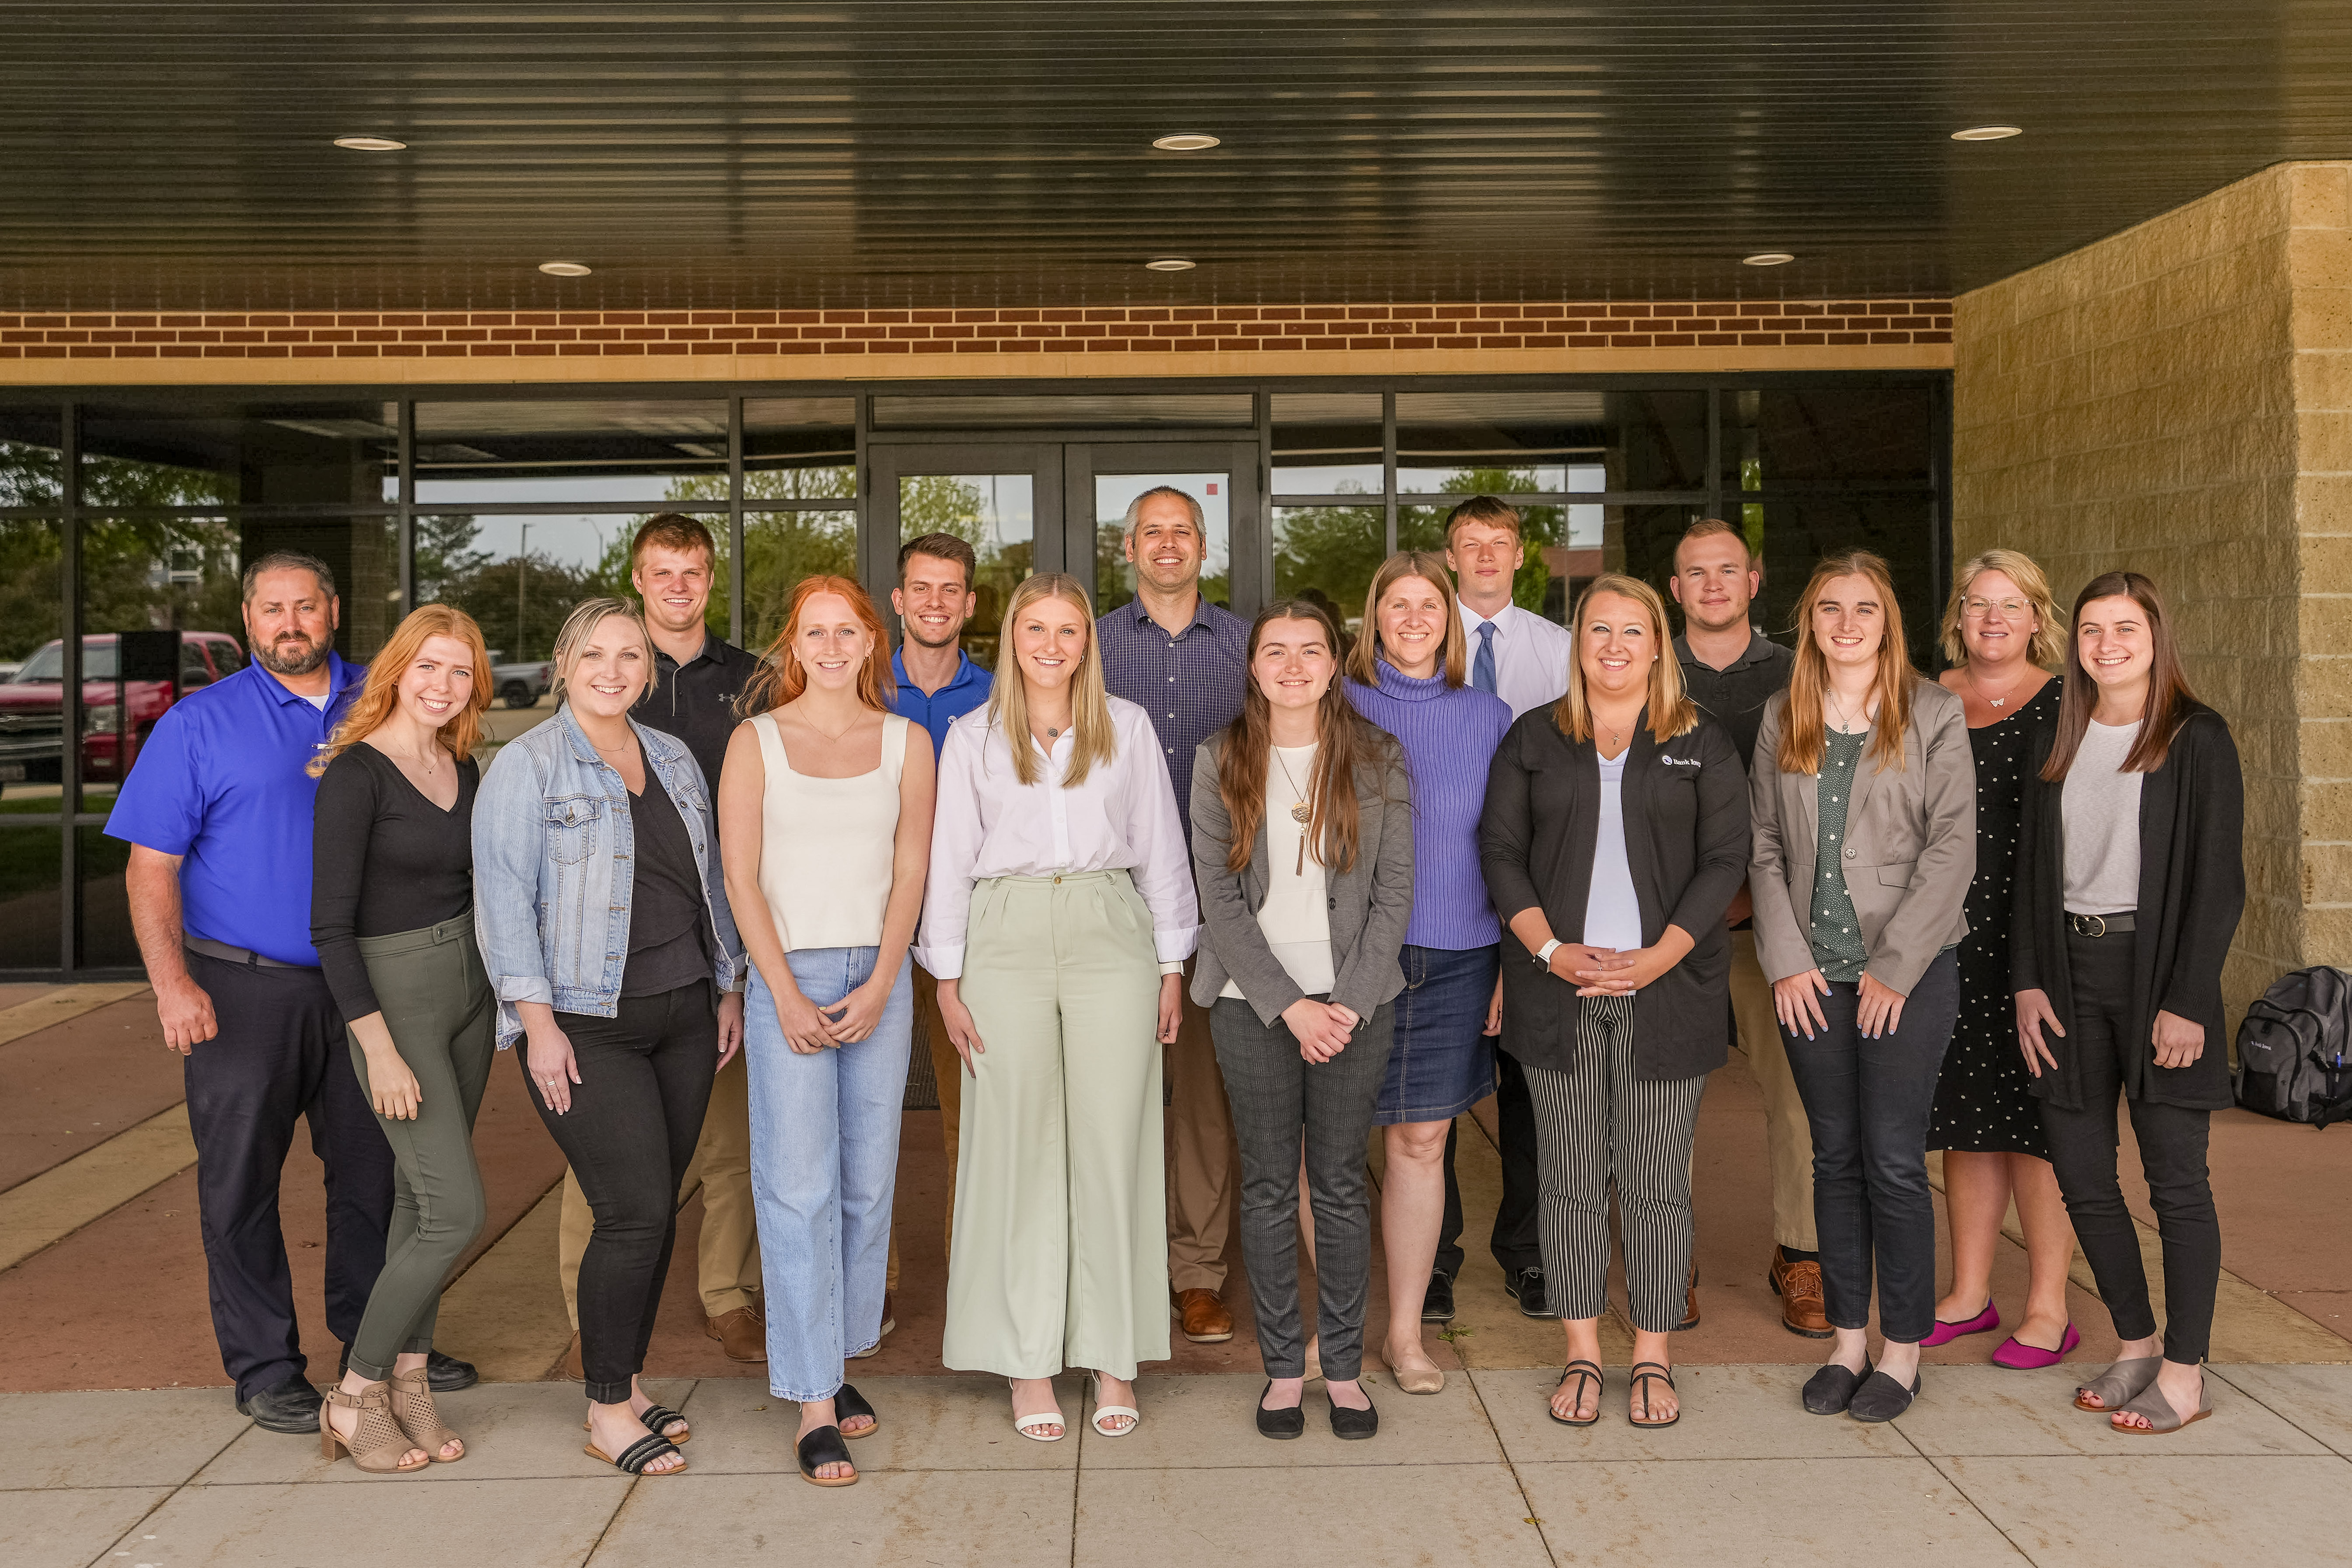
2010,609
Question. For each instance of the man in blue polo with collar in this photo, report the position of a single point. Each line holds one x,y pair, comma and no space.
217,813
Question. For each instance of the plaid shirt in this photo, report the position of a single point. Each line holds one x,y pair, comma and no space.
1191,684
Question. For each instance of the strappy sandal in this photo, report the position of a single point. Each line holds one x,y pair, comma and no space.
1103,1412
376,1445
1579,1370
848,1405
2153,1408
637,1455
2119,1385
825,1446
1642,1381
1034,1426
656,1418
411,1406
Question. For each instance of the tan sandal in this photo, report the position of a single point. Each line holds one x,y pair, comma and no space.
376,1443
411,1406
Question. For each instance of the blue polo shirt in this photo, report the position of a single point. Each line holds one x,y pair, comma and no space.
935,713
220,782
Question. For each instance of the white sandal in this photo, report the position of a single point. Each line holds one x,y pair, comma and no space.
1134,1417
1034,1426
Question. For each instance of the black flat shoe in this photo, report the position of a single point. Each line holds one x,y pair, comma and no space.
1284,1424
1881,1398
823,1446
1828,1391
1437,1301
1354,1426
290,1407
443,1373
848,1405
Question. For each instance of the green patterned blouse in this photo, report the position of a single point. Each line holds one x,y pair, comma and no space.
1836,934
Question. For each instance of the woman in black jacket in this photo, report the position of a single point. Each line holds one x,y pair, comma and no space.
2130,881
1615,834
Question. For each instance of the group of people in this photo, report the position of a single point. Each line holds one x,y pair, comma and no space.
1189,906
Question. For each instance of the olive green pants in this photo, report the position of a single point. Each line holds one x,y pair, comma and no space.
1059,1256
438,1003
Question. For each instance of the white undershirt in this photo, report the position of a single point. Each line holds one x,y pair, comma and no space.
1612,915
2099,805
1296,918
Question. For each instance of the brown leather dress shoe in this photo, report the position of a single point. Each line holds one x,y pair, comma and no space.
740,1333
572,1368
1690,1300
1799,1286
1204,1318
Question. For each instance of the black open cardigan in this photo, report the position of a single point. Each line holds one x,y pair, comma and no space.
2192,888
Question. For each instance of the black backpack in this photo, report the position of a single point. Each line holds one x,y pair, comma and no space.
2295,1050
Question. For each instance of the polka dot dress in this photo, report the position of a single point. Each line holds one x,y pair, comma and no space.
1982,1105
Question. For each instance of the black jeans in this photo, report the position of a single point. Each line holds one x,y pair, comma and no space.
1514,1241
1869,1103
2171,1152
279,1055
636,1111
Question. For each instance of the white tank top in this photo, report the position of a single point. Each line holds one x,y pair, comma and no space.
826,845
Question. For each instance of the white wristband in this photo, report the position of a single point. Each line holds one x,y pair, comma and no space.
1543,954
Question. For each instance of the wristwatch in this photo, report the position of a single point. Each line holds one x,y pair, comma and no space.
1543,954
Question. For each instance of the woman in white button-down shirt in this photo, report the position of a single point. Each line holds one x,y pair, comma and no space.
1059,916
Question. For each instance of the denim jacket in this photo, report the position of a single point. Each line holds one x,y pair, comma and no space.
553,867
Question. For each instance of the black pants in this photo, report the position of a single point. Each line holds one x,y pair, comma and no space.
2171,1152
636,1111
1869,1103
1514,1242
279,1055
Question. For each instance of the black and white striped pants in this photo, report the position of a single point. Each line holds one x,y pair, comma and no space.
1596,1125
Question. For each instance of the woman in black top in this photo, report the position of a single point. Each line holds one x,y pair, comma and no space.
391,903
1614,835
2130,881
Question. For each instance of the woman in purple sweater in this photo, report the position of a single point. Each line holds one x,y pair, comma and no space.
1406,676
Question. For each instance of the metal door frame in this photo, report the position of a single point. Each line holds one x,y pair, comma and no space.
1250,544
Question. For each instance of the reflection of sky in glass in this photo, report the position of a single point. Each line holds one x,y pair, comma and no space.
1114,493
1325,479
576,540
1447,475
597,491
1584,527
998,507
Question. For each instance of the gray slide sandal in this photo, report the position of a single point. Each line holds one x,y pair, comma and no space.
2119,1385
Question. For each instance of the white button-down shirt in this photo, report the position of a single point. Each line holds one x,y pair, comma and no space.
989,824
1532,656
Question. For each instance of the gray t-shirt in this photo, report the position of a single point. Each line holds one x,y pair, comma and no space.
2099,805
1613,913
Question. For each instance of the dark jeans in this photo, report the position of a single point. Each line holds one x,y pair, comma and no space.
279,1055
1514,1240
636,1111
1869,1103
2171,1153
1280,1099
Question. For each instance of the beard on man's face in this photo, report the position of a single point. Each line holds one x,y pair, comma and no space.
293,653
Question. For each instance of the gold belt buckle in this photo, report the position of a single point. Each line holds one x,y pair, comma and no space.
2084,924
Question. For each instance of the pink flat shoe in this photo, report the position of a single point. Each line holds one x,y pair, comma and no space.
1947,1332
2019,1356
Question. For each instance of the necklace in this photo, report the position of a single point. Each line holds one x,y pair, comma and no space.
1847,724
1968,671
1299,811
837,735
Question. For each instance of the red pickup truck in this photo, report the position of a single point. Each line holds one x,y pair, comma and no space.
32,701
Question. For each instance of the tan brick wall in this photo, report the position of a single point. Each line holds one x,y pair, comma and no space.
2178,399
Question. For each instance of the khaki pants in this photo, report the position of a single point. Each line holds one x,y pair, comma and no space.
1788,1139
1203,1173
727,1258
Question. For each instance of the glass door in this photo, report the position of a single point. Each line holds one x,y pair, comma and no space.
1103,478
992,496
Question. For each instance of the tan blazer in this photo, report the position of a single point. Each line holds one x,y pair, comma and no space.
1910,849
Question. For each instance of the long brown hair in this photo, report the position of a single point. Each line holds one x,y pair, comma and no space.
1344,741
783,678
2169,700
1452,663
1671,712
381,693
1802,727
1096,741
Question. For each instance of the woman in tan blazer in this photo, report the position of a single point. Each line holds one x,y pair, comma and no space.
1863,792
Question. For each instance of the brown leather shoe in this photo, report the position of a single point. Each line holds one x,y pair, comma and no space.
740,1333
1204,1318
1799,1286
572,1368
1690,1300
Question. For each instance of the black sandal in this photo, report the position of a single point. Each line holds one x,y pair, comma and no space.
657,1417
823,1446
1642,1380
1598,1387
638,1455
848,1405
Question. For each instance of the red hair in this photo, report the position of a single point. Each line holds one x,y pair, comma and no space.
782,677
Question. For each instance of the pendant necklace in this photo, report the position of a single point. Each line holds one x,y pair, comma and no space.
1980,690
1299,811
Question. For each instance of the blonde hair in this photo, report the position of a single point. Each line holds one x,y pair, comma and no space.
1429,566
582,624
1094,740
380,695
2048,648
1802,730
1671,712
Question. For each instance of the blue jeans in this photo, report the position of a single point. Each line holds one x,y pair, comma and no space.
825,1166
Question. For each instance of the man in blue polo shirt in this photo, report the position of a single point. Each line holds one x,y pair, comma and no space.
217,813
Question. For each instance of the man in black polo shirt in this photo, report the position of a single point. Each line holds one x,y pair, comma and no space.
1732,672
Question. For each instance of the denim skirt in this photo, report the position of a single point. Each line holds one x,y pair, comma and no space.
1440,1061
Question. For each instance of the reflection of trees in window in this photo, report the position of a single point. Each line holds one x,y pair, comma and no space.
780,548
29,557
953,504
1114,578
160,573
110,482
29,475
1335,549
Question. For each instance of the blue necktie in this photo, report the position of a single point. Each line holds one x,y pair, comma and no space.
1482,668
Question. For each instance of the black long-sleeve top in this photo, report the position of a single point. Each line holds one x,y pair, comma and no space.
2192,890
383,860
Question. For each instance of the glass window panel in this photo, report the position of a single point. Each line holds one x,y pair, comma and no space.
1115,574
1556,539
589,454
780,548
32,465
799,448
1328,554
1829,436
995,514
31,914
1484,443
1080,410
1328,443
106,940
1796,532
197,453
31,665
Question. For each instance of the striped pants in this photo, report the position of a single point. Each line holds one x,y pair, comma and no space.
1597,1124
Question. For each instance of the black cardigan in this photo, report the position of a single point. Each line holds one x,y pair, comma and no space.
2192,888
1686,842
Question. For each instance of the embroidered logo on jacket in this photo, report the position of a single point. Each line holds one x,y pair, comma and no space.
1680,761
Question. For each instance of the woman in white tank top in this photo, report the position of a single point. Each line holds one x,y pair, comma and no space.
824,810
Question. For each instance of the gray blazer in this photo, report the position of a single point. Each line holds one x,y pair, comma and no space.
1370,901
1910,849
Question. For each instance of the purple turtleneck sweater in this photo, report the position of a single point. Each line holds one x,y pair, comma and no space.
1449,735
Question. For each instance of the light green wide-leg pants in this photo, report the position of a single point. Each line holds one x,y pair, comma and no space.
1059,1256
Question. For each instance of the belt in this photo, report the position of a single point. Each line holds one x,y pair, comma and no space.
2100,925
228,954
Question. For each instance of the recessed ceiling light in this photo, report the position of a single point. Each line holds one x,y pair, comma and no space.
1184,141
565,268
1988,133
1767,259
1171,264
370,143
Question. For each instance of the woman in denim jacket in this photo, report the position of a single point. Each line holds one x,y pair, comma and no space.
604,921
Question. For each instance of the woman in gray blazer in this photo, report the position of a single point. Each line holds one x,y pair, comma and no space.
1863,791
1302,846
